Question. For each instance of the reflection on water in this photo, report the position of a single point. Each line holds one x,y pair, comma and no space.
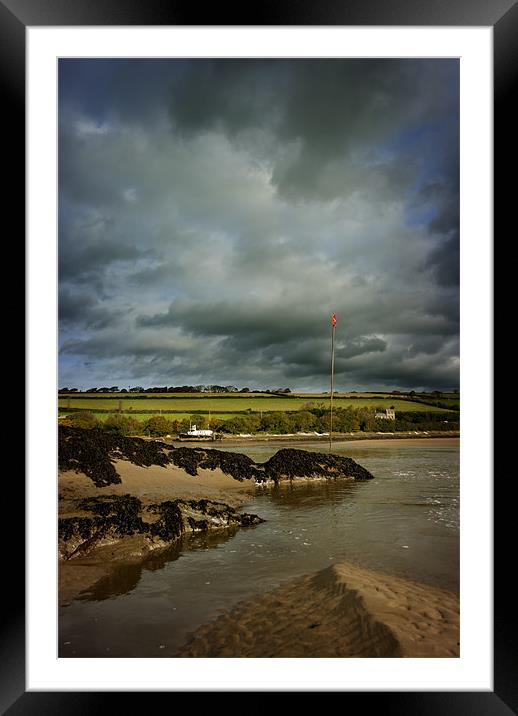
405,522
127,576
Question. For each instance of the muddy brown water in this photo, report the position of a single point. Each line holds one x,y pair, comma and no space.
404,522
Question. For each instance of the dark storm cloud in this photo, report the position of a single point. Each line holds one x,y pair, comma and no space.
80,257
444,261
120,89
318,111
213,214
246,319
84,309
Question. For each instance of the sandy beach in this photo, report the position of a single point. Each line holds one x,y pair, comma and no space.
342,611
159,483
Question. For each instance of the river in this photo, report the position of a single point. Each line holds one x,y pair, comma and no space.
404,522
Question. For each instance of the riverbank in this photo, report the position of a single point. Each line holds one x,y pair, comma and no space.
342,611
340,437
383,440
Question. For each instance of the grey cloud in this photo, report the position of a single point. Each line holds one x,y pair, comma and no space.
89,245
444,260
324,109
362,344
259,320
214,247
81,308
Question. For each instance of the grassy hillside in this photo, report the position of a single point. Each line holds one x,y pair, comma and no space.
240,403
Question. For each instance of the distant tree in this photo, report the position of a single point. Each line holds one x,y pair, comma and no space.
122,425
275,422
244,390
218,389
239,424
82,419
303,421
175,427
157,426
199,420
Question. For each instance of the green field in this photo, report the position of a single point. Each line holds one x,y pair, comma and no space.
142,417
226,406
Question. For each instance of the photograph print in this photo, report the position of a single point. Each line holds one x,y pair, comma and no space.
259,396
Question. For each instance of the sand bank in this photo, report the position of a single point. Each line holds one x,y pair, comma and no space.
155,483
342,611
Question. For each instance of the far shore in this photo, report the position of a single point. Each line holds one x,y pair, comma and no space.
379,439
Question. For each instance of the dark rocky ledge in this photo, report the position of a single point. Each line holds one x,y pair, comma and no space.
93,452
97,522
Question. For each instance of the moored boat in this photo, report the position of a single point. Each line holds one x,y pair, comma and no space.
194,433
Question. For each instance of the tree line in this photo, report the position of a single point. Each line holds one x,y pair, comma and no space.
317,420
174,389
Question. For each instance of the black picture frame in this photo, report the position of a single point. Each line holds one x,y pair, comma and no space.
502,15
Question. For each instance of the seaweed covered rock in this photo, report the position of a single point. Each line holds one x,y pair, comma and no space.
87,451
94,451
290,463
240,467
101,521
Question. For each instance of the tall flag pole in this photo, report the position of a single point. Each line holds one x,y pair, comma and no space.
333,326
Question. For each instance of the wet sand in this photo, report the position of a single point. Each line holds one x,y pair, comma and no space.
342,611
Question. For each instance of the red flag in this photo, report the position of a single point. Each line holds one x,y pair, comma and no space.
333,320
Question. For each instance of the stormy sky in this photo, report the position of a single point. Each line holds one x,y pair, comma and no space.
213,214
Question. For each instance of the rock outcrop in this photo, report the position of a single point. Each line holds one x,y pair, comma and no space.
97,522
94,451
